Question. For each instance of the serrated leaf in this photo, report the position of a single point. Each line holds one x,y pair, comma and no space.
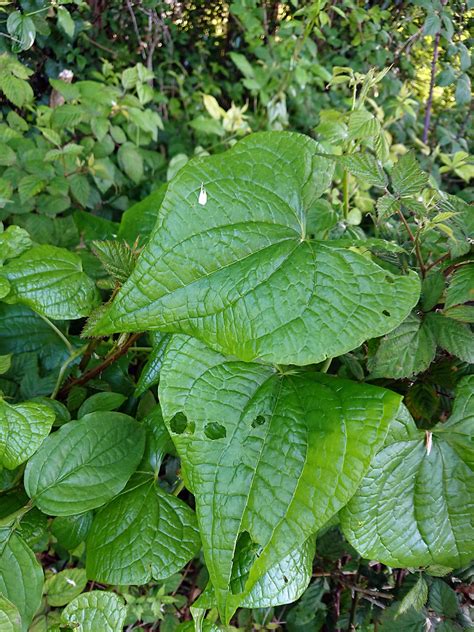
85,463
143,534
116,257
95,610
416,596
80,188
407,350
386,206
463,92
443,599
454,337
461,286
432,289
463,313
7,155
51,281
150,374
410,621
362,125
411,509
17,90
63,587
10,619
14,241
233,421
365,167
29,186
67,116
23,428
407,177
21,576
239,273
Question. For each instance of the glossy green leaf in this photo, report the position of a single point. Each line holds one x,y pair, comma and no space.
94,611
283,583
143,534
239,272
23,428
21,576
405,351
411,508
150,374
63,587
51,281
101,402
271,455
85,463
461,286
139,220
443,599
70,531
454,337
10,619
14,241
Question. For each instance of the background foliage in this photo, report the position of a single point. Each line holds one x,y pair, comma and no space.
101,104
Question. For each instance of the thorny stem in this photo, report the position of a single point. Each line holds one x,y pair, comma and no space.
416,244
97,370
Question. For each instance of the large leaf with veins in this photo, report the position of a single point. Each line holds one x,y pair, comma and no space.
269,457
241,271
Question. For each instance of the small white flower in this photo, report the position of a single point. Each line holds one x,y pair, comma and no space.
202,196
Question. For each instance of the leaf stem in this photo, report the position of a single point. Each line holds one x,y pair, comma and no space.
326,365
345,194
416,244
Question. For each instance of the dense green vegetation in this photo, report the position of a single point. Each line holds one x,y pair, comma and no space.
236,297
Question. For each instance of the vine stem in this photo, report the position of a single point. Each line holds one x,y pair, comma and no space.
416,243
97,370
58,332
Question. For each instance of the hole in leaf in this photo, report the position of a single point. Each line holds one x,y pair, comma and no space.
258,421
179,423
285,579
385,312
214,430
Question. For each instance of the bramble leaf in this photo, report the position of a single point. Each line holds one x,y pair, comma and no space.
95,610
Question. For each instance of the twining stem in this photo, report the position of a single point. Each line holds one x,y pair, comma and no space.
416,244
58,332
97,370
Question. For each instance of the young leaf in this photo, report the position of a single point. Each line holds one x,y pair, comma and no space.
242,276
411,508
321,431
94,611
85,463
405,351
116,257
143,534
416,597
407,177
150,374
21,576
23,428
51,281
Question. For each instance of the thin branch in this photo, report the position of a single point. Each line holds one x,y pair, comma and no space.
415,243
97,370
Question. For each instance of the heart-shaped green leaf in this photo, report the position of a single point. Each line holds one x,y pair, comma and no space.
231,261
85,463
51,281
269,455
412,508
142,534
23,428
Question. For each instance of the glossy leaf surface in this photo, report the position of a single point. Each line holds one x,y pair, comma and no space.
240,272
270,455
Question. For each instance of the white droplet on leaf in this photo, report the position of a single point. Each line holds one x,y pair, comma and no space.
71,582
202,196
